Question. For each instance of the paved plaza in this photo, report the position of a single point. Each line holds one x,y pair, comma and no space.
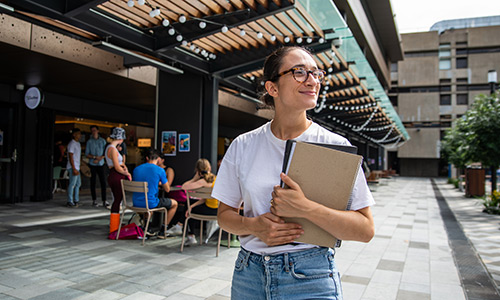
48,251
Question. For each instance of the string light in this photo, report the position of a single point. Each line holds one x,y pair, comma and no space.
130,3
202,25
141,2
242,32
178,38
224,29
165,22
182,18
287,39
273,38
171,31
260,35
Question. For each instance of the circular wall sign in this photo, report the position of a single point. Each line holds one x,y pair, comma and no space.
33,98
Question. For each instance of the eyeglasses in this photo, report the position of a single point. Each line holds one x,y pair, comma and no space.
300,74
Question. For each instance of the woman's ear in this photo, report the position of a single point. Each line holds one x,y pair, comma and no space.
271,88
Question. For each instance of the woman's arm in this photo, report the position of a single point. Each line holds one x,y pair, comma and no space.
195,183
122,169
345,225
269,228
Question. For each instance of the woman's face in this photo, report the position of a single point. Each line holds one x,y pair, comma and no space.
287,92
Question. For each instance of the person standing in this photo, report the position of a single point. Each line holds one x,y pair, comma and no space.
73,166
94,151
271,265
117,172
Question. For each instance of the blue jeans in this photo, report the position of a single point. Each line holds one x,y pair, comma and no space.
74,187
308,274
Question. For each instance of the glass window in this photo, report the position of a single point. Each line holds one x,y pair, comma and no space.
461,51
462,99
444,64
462,88
462,80
461,62
445,100
394,67
445,88
444,50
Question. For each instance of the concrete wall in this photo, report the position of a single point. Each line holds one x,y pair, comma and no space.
419,167
423,143
418,71
418,107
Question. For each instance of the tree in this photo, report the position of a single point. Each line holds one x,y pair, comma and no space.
476,136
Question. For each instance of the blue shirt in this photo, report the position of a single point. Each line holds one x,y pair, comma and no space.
95,147
153,175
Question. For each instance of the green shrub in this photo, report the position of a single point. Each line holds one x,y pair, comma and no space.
491,203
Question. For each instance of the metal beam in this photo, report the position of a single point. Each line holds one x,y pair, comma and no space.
252,16
76,7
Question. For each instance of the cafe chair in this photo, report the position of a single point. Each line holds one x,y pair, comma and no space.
57,177
138,187
201,193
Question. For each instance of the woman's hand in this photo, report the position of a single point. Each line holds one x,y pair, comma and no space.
273,231
289,202
188,211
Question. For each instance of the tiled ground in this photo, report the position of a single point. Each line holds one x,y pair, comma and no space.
42,257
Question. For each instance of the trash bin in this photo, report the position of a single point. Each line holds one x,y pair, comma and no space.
474,182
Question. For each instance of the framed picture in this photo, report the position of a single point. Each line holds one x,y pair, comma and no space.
184,142
168,142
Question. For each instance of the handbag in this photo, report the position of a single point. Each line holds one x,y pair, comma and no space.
178,195
128,232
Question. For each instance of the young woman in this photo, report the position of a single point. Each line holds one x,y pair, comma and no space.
270,264
203,177
117,171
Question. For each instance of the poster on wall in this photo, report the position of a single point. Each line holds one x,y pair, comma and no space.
168,141
184,142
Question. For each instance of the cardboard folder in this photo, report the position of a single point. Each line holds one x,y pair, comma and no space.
326,174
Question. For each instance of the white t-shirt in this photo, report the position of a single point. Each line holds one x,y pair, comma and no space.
251,168
75,148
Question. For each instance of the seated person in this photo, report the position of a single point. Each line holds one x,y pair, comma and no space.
168,170
154,175
203,177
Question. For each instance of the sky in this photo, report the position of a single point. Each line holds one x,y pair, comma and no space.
415,16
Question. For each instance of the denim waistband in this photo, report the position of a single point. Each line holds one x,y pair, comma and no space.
284,258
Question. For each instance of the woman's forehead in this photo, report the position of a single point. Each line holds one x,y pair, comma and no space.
298,57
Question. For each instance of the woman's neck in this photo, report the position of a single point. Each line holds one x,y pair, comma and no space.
289,127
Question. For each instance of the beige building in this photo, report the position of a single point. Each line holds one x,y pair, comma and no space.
442,72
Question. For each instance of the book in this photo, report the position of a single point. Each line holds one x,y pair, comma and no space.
326,174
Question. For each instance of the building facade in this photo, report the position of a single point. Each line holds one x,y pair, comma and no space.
191,70
442,72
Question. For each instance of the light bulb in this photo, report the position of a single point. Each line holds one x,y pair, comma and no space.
178,38
171,31
224,29
330,70
192,47
259,35
182,18
242,32
184,43
273,38
202,25
299,40
197,50
321,40
309,40
141,2
165,22
130,3
157,11
203,52
287,39
152,13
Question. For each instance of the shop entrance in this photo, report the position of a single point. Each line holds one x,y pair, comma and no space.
8,153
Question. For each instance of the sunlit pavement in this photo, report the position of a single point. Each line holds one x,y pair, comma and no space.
48,251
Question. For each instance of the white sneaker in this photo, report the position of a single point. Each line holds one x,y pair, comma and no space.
175,230
191,240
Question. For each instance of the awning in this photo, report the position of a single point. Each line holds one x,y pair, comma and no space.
229,39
